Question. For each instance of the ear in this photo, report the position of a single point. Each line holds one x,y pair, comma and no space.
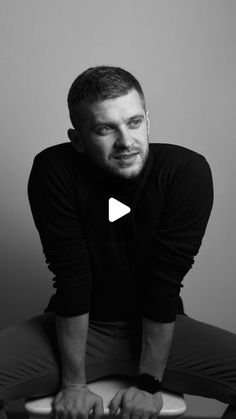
148,122
76,140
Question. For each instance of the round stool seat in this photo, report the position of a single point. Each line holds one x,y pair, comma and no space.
173,405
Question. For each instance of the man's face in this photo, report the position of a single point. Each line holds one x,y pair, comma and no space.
115,135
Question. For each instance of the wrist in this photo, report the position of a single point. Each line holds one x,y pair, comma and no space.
149,383
74,382
73,376
74,387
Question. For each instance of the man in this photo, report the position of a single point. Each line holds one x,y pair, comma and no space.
117,308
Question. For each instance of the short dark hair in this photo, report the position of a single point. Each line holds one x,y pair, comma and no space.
101,83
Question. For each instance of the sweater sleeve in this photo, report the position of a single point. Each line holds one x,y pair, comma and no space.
56,215
182,225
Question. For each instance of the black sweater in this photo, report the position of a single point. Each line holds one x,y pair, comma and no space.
134,266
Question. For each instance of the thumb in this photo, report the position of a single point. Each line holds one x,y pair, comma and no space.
115,403
98,409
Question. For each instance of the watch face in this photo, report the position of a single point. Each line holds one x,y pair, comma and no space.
149,383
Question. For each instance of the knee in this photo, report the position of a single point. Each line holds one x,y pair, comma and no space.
3,414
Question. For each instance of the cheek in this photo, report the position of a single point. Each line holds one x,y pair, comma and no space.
101,150
142,136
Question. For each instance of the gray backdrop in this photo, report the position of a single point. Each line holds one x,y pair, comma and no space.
183,53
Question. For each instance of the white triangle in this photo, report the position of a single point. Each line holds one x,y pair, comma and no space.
117,210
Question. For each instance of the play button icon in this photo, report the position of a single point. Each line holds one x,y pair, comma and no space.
117,210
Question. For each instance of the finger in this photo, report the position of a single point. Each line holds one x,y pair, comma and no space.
54,408
144,415
58,415
125,414
79,414
98,409
135,415
54,414
115,403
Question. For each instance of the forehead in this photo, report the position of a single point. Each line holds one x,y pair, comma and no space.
120,108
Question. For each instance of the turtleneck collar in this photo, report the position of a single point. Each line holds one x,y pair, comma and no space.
110,182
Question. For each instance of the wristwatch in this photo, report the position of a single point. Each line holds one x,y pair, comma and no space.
148,383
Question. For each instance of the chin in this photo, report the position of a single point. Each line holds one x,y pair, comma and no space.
127,173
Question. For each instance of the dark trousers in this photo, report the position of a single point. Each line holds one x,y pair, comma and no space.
202,360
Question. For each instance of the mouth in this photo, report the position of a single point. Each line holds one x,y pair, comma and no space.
126,156
126,160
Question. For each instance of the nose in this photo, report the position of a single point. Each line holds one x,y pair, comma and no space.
124,139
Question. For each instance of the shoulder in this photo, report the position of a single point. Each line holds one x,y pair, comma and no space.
174,164
59,154
164,152
174,158
58,166
60,160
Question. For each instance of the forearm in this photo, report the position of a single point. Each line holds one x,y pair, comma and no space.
156,344
72,338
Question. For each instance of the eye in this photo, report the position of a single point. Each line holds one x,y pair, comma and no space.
135,123
105,129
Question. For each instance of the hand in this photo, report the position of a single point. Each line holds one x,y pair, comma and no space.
76,403
136,404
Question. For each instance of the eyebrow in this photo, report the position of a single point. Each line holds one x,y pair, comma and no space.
103,123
